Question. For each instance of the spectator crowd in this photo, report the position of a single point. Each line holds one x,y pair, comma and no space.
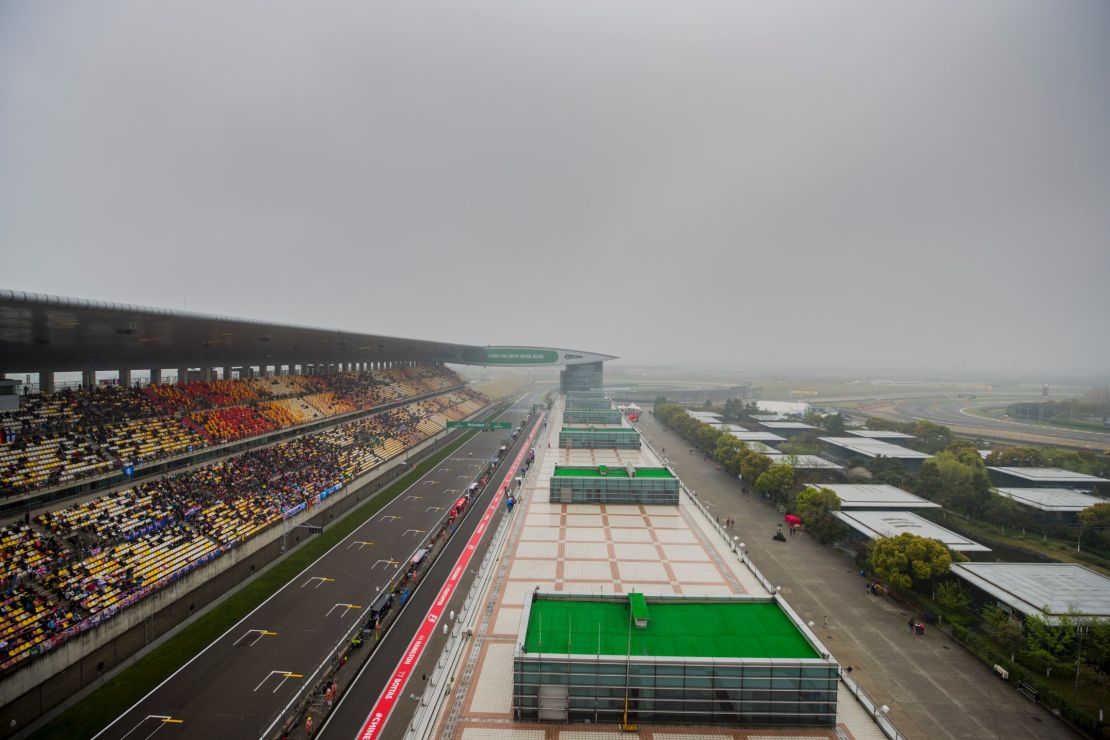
68,569
54,439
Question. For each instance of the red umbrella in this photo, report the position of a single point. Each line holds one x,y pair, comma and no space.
792,520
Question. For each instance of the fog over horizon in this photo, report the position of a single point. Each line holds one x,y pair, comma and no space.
918,187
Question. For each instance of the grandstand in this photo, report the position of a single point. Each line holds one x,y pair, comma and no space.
121,493
108,553
57,439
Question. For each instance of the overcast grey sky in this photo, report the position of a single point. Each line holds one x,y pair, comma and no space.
909,185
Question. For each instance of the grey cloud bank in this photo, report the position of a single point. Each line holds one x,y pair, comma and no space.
902,185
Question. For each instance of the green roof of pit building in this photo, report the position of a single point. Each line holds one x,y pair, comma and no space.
681,629
568,471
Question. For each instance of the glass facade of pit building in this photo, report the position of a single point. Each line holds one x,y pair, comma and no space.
586,394
588,404
592,416
577,677
584,377
603,485
576,439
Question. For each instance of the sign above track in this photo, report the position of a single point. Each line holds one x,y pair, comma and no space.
479,425
529,356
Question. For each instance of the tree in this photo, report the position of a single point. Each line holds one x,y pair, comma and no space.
859,474
727,445
933,437
833,424
908,558
735,409
926,483
777,482
1016,457
1003,628
1081,461
815,506
887,470
953,596
1049,644
707,438
956,480
753,465
1007,512
1096,516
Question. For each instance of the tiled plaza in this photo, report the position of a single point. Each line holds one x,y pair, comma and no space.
596,549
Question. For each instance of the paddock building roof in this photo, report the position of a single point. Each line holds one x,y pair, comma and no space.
876,524
1047,589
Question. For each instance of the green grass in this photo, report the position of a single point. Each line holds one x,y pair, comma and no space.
694,630
109,701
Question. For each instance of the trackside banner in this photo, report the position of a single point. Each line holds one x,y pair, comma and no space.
394,688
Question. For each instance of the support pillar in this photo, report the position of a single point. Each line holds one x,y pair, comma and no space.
125,378
156,376
46,382
88,379
182,375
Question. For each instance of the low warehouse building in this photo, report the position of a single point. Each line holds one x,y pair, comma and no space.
1061,505
788,429
873,525
1047,590
877,496
860,450
882,435
1044,478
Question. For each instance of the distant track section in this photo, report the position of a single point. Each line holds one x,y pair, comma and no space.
394,688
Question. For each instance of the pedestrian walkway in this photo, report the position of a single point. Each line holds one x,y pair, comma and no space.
934,688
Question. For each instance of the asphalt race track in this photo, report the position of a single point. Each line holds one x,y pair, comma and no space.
239,685
950,412
349,717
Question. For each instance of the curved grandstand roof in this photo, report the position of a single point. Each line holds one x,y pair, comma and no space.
40,332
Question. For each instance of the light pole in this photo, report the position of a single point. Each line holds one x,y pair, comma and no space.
1080,630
